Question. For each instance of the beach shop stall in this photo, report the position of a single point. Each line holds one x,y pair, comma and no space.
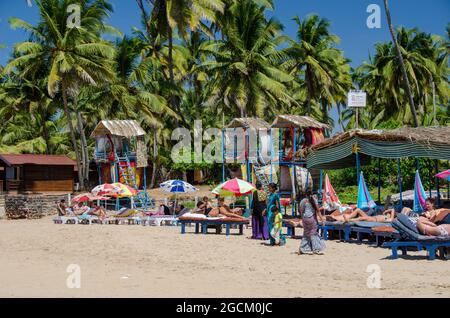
121,155
356,147
295,133
245,141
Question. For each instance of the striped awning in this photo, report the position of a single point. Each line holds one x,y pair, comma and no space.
342,154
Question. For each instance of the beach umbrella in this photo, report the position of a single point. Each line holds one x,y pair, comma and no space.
444,175
177,186
365,200
419,194
84,197
87,197
125,191
329,195
106,189
234,187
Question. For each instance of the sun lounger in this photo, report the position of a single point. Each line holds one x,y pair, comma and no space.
203,222
341,227
158,220
364,227
410,238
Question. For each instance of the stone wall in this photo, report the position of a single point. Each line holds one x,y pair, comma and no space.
30,206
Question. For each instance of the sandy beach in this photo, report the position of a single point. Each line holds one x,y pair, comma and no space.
137,261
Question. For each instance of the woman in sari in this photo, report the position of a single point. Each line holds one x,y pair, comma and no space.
259,222
311,242
274,201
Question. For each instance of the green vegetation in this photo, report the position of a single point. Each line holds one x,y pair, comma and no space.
211,60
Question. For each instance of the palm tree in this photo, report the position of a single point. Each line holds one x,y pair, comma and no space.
182,15
245,65
402,65
425,61
323,70
74,56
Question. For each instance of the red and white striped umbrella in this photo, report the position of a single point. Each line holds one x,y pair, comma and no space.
234,187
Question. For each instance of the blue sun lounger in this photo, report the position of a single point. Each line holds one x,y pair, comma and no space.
410,238
364,227
203,224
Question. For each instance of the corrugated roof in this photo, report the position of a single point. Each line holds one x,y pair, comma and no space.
123,128
246,122
285,121
31,159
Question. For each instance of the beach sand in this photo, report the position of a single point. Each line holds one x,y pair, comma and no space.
137,261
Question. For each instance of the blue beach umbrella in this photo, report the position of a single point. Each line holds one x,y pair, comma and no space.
365,200
177,186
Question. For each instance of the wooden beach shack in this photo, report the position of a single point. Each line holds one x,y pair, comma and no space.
37,173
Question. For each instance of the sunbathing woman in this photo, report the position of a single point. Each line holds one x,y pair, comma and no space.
387,217
426,227
224,210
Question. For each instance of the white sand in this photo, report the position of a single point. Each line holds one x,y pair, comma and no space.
136,261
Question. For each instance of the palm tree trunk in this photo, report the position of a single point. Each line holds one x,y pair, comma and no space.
402,65
155,156
84,150
309,85
72,132
46,137
173,100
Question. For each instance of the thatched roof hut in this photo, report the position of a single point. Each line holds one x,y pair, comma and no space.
249,122
285,121
121,128
337,152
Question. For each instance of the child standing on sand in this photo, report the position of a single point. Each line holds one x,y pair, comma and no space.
276,229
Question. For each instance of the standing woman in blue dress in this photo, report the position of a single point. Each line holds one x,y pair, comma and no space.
274,201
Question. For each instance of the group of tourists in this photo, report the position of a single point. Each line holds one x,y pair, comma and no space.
81,210
267,220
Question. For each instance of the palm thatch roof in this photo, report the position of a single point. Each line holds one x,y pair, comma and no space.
425,142
249,122
122,128
285,121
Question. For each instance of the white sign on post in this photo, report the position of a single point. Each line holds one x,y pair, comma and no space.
356,99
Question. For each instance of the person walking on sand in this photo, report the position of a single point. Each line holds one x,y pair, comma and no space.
259,222
311,242
273,205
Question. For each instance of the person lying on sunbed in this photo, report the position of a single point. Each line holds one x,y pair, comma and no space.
426,227
344,214
85,211
226,211
386,217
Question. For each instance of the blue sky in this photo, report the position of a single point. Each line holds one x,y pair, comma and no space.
348,20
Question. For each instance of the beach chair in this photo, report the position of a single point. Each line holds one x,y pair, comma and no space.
342,228
204,222
363,227
409,238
